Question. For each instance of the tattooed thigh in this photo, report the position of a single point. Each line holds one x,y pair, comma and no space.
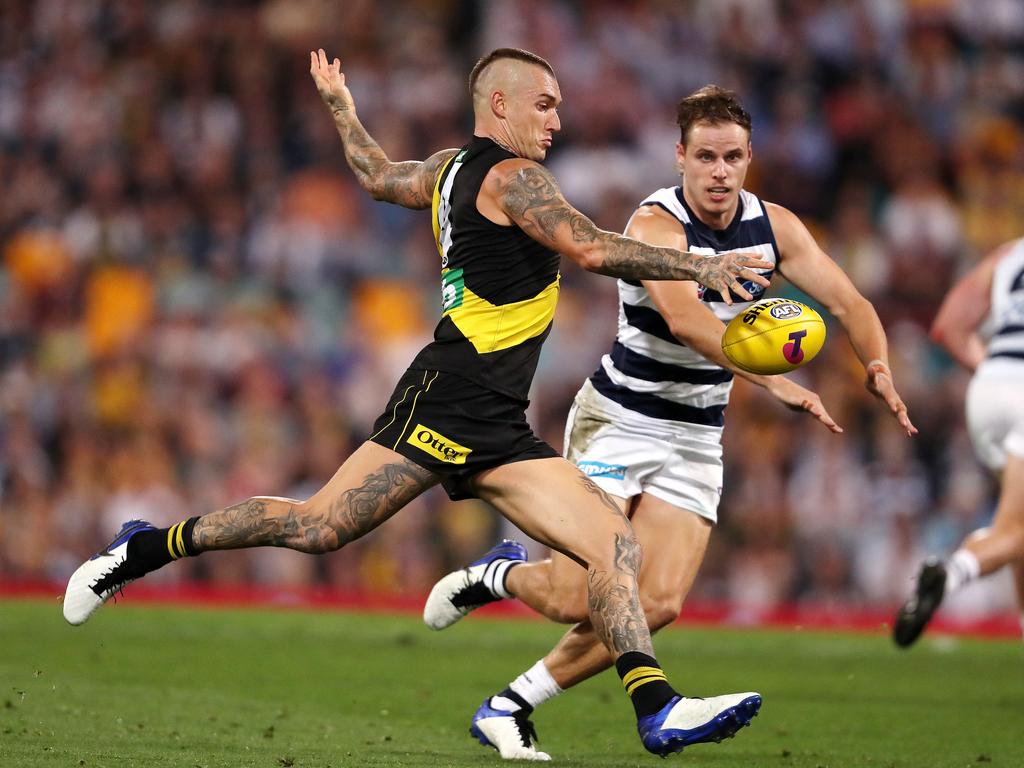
359,510
605,498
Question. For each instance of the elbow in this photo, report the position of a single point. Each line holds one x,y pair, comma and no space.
376,191
681,331
590,257
949,338
857,306
942,335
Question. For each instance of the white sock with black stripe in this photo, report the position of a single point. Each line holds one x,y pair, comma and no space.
495,575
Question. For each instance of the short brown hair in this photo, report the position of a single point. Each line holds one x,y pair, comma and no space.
711,104
506,53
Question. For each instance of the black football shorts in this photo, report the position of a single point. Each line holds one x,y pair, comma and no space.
456,428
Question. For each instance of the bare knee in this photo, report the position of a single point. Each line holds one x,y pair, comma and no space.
568,606
310,529
660,609
624,554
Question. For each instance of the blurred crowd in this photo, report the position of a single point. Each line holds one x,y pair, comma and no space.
198,304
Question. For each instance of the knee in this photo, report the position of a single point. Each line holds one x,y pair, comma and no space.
624,554
660,609
568,607
311,531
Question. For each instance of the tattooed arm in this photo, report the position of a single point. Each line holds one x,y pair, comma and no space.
528,195
410,183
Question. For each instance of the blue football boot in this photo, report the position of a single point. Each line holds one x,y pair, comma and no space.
685,721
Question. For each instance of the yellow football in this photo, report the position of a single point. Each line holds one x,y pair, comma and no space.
773,336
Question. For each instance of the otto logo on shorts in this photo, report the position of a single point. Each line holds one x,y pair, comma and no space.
600,469
786,311
437,445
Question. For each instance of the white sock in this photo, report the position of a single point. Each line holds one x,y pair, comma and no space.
495,574
536,685
962,568
504,704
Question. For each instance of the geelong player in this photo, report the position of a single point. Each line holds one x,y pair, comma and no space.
646,427
457,416
993,291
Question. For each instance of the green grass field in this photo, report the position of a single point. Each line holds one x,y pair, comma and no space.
163,686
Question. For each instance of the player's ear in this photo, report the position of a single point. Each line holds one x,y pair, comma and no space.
680,154
498,105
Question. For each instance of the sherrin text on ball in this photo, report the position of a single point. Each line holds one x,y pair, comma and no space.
773,336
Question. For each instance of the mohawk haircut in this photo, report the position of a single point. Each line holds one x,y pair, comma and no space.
711,104
505,53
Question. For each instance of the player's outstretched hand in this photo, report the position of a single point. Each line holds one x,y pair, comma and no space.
879,383
798,398
724,272
330,82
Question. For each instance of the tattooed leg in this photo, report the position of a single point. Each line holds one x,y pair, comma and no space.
560,506
339,513
613,596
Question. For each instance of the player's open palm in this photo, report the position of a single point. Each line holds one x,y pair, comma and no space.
798,398
330,81
726,272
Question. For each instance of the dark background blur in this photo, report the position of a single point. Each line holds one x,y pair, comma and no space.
198,303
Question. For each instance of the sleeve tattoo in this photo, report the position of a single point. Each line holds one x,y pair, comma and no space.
409,184
531,197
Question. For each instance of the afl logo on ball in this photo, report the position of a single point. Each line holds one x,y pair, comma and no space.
786,311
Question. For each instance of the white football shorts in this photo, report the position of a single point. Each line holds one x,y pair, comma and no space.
995,412
626,454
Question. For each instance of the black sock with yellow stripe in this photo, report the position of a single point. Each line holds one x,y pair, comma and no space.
644,681
149,550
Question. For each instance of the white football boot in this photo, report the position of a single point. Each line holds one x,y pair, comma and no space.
511,733
462,591
102,575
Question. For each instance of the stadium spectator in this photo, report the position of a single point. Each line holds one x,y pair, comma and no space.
193,226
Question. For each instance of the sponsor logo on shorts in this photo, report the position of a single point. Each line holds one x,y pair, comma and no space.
786,311
600,469
437,445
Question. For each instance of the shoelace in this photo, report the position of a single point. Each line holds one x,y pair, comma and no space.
473,596
527,731
115,581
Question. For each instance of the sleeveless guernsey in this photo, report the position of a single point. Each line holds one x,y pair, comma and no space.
499,287
651,372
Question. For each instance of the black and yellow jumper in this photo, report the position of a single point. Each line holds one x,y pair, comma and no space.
499,287
460,408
